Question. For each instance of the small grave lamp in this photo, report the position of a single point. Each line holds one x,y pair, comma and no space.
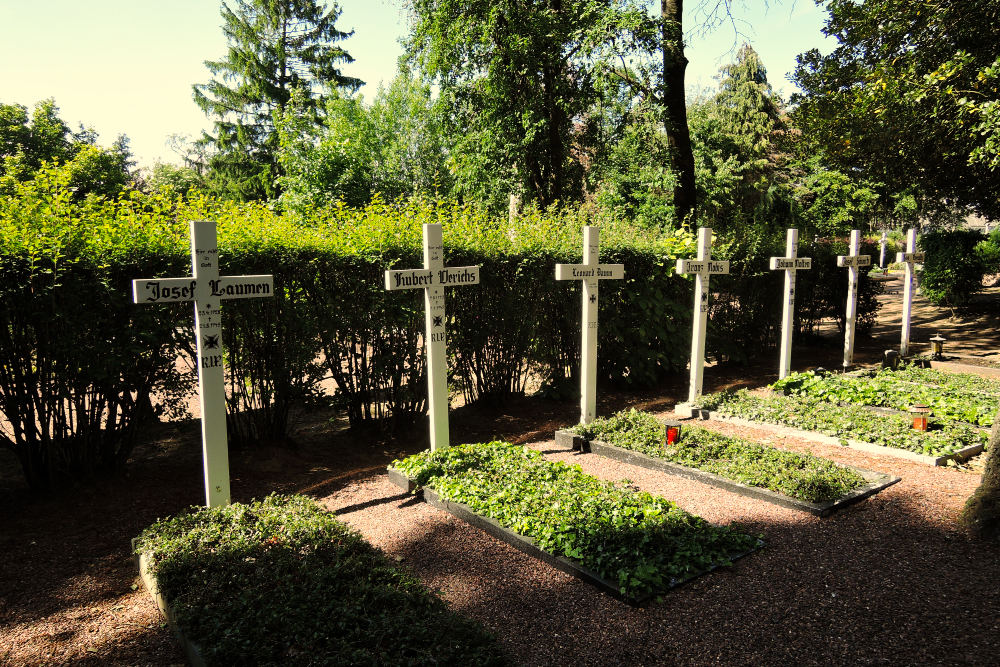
937,346
920,413
673,431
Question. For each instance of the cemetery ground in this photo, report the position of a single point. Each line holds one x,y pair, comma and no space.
887,580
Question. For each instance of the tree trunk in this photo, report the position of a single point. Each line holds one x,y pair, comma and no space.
675,109
981,516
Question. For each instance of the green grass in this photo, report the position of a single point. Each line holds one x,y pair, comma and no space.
643,543
802,476
844,422
283,582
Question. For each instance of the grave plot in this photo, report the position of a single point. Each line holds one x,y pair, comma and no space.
630,544
799,481
282,581
848,425
948,404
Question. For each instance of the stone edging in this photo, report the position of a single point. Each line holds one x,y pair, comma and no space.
527,545
876,481
895,452
191,650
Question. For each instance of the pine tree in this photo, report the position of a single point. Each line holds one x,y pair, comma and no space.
275,47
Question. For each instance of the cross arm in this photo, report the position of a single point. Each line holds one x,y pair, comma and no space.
590,271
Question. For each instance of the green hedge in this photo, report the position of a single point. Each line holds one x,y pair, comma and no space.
953,269
79,361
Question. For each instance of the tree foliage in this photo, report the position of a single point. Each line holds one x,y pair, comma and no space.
275,47
27,143
393,148
514,77
910,96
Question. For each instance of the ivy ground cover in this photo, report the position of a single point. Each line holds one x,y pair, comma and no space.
844,422
643,543
283,582
800,476
951,399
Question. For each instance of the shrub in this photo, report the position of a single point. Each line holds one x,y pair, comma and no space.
953,270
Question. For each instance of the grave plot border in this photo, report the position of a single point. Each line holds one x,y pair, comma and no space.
894,452
527,545
191,650
876,481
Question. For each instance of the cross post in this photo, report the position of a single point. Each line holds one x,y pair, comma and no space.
589,273
909,258
853,262
207,289
702,267
790,263
433,278
881,252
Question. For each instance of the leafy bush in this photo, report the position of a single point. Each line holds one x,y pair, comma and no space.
642,542
886,389
801,476
282,582
843,421
953,271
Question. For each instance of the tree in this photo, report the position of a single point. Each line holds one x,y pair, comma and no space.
275,47
394,148
514,79
649,49
27,143
910,97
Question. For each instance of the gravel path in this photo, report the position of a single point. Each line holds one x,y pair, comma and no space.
887,580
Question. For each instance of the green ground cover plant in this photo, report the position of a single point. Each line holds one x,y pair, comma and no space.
282,582
844,422
801,476
969,382
887,388
642,542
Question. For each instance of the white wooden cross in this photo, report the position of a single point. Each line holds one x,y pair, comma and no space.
589,272
790,263
881,252
433,278
702,267
853,262
207,288
910,257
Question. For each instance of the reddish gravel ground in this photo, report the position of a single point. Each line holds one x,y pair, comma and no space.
888,580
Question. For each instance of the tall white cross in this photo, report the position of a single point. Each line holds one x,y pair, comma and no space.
702,268
433,278
589,272
910,257
853,262
881,252
790,263
207,289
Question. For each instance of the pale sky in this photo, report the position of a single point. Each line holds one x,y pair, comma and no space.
127,66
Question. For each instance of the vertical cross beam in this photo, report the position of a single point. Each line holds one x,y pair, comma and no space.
909,258
881,251
853,262
589,273
790,263
207,289
702,268
433,278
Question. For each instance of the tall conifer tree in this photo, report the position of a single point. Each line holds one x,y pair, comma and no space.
275,47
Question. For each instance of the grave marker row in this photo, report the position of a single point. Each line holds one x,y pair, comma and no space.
206,288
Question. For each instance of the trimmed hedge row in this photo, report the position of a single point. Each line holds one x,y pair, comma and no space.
79,362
